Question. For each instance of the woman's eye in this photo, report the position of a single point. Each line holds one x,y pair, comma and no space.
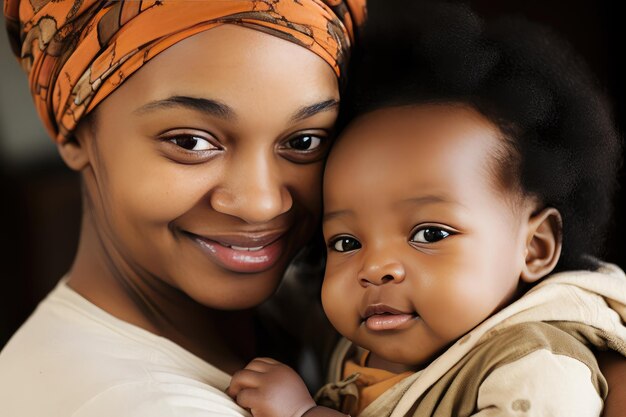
304,143
305,148
192,143
345,244
430,235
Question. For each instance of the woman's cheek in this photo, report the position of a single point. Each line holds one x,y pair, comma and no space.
306,186
163,194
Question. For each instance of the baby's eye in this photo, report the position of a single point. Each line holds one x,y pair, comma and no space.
345,244
430,234
304,143
192,143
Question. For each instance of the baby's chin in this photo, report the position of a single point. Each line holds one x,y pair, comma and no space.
404,358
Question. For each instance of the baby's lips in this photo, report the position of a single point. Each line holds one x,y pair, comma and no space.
379,322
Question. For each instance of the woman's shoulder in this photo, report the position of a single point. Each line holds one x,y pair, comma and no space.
71,358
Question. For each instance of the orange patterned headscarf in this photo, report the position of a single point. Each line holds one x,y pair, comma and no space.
77,52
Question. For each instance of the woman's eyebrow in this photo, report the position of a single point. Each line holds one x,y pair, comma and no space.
308,111
204,105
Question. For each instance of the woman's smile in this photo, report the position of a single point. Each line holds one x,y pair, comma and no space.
243,252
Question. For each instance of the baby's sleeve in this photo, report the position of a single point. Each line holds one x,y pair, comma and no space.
540,384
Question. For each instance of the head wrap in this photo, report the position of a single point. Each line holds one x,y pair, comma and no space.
77,52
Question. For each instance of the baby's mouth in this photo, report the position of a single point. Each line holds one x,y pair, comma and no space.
379,317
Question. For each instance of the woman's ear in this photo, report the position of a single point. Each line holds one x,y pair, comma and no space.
543,244
74,155
74,152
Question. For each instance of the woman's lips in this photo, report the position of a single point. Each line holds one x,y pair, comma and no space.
243,253
382,317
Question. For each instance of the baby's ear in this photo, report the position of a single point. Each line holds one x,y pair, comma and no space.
543,244
74,152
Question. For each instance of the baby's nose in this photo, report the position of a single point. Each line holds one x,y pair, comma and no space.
379,273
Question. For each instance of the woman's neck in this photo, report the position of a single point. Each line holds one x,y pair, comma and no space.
101,275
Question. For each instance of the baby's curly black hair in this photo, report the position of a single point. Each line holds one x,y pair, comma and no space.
565,148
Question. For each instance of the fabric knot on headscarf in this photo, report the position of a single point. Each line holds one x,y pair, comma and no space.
77,52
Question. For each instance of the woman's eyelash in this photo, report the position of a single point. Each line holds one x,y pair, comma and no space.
189,146
306,142
191,142
306,147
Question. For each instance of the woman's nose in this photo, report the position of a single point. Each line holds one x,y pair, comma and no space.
253,190
380,269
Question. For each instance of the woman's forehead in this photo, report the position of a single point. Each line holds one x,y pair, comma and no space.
232,71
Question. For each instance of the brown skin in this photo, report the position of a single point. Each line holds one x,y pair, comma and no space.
396,177
416,220
613,368
158,176
269,388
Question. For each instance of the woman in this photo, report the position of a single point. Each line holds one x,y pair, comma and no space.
199,130
201,181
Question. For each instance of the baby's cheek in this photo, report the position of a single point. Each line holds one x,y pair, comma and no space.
329,296
338,303
458,309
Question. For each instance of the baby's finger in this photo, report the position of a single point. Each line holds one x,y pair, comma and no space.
269,361
244,378
261,365
249,398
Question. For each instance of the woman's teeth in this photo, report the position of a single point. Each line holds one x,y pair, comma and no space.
241,248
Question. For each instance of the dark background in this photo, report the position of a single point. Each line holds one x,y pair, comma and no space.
40,202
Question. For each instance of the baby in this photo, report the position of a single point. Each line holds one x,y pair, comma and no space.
473,168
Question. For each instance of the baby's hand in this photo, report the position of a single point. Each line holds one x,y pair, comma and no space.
269,388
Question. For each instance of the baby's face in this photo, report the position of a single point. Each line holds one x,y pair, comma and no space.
423,242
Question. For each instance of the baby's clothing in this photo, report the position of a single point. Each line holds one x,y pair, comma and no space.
370,383
532,358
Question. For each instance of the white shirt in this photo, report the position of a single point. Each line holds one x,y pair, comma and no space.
72,359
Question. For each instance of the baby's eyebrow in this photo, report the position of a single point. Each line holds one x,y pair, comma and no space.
421,200
427,199
433,199
337,213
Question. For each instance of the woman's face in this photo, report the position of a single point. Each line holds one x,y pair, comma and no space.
205,166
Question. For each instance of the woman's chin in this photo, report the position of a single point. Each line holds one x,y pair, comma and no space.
242,292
